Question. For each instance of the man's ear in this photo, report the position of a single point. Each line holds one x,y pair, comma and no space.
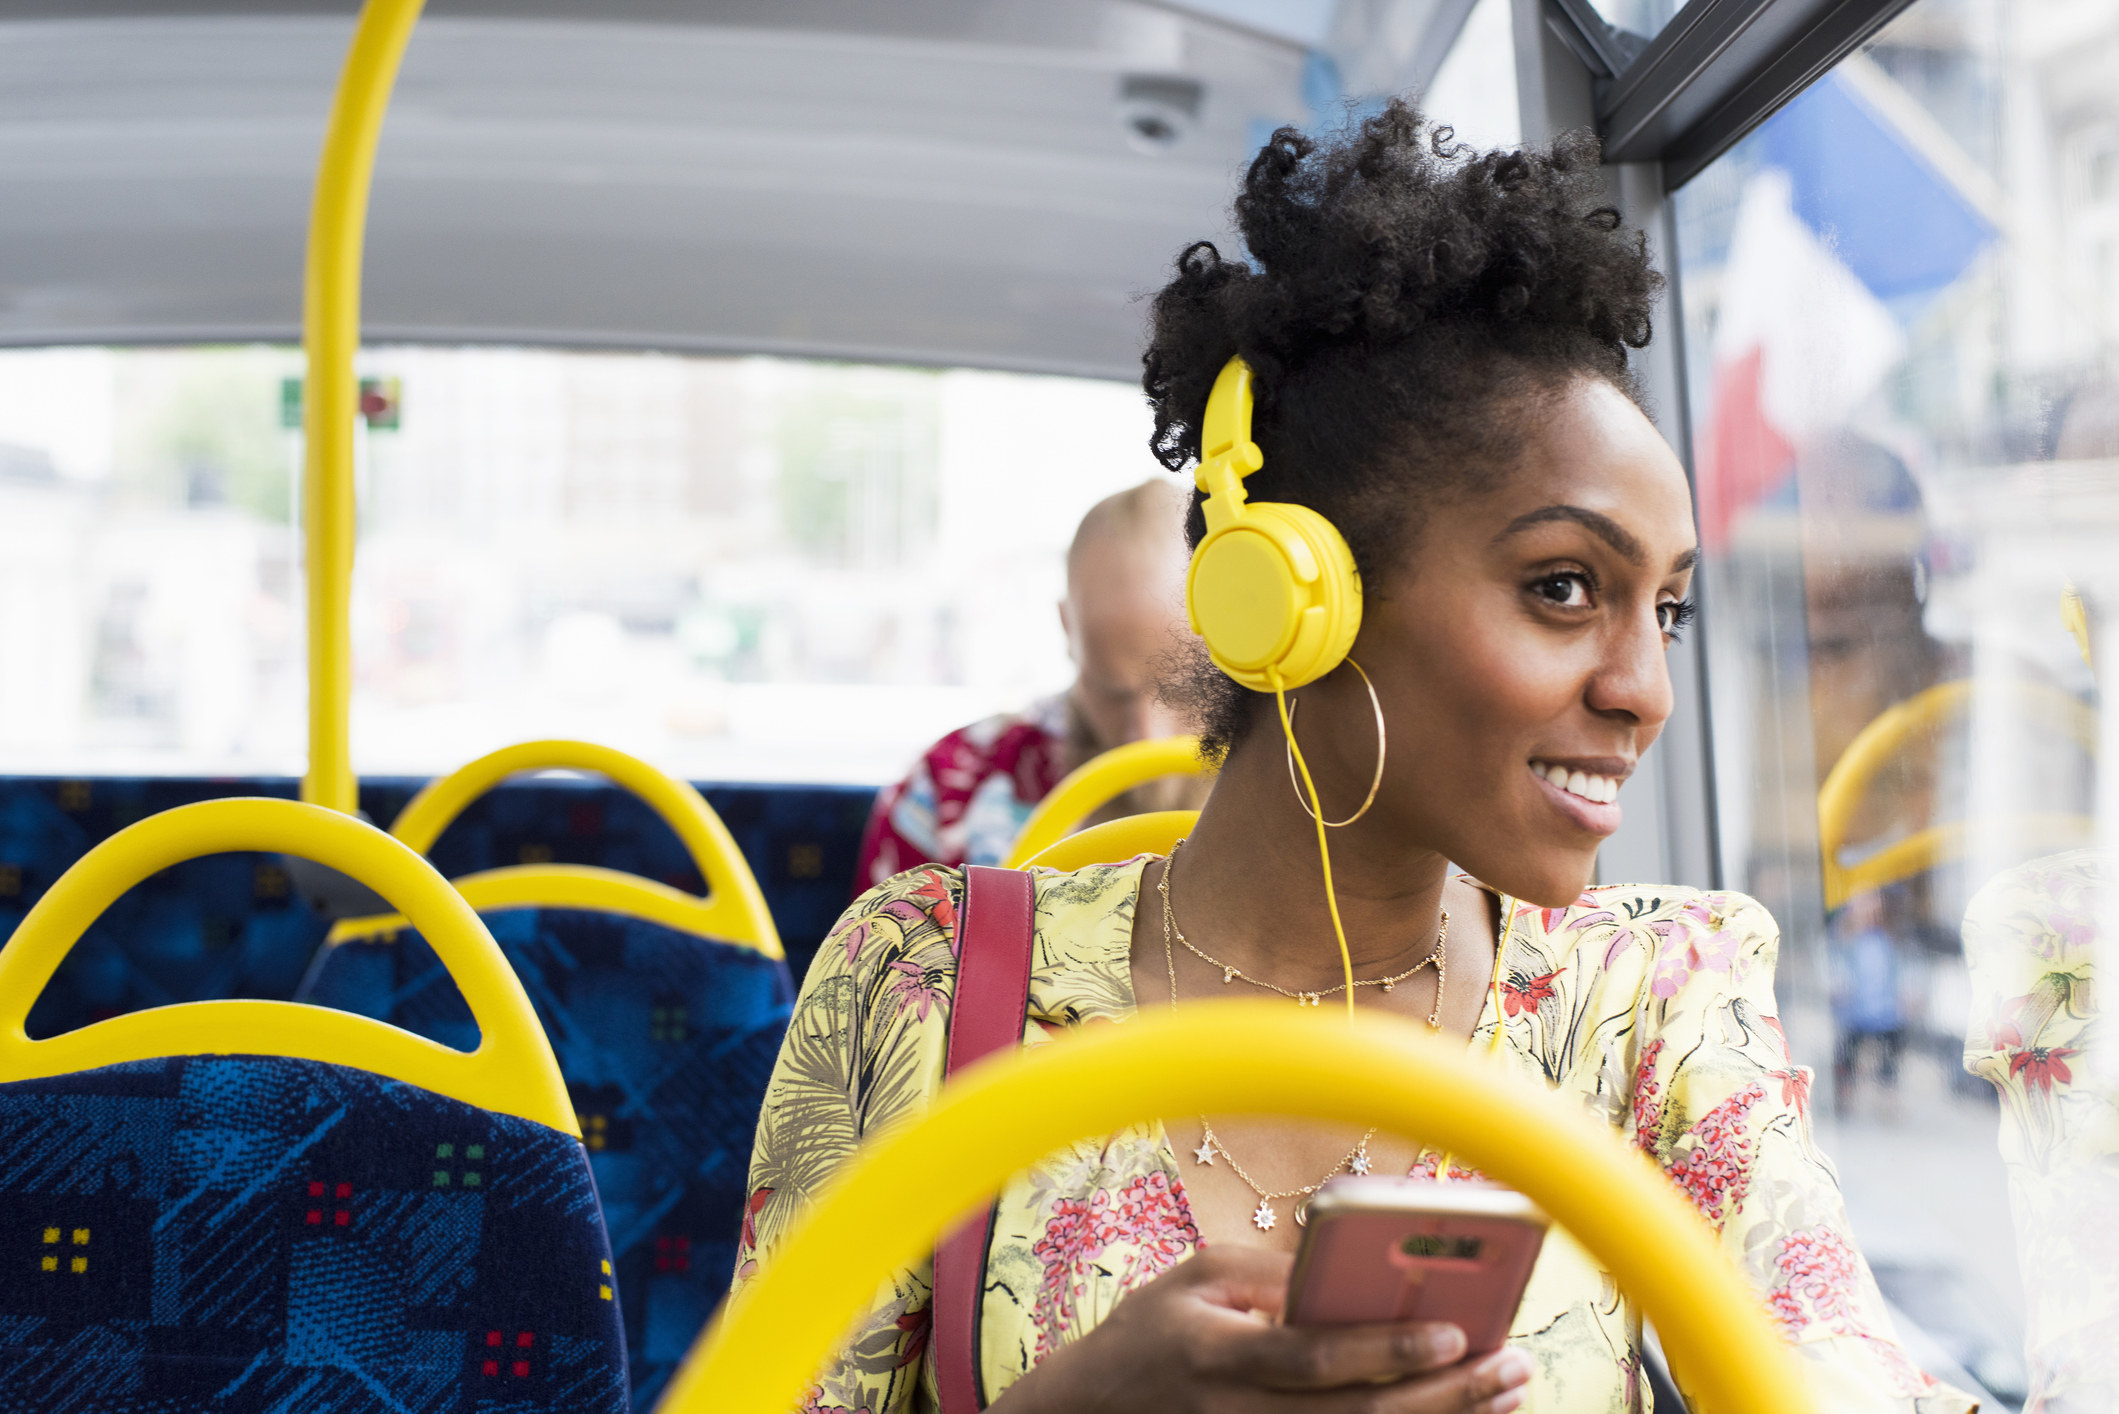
1066,613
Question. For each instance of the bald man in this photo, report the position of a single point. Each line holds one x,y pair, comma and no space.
970,792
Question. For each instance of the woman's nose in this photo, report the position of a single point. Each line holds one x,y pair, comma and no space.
1634,677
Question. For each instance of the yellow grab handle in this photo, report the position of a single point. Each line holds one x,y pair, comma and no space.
2036,832
1097,783
736,906
1882,740
331,335
1114,841
512,1071
580,886
905,1185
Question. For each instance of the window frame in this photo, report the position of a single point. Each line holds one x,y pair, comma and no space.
1714,72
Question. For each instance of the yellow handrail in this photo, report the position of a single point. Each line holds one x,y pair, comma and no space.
1882,740
1250,1057
735,908
512,1071
582,886
1100,781
331,335
1115,841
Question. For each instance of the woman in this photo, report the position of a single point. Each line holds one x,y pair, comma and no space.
1439,340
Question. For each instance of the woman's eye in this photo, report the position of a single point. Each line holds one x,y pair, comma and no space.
1565,591
1675,615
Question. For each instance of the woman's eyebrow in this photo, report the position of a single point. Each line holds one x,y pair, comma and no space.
1596,522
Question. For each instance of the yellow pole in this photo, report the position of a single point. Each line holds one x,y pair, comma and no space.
331,334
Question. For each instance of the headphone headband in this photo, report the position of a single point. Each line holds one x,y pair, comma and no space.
1226,452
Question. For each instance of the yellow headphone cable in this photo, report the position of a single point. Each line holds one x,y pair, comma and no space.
1324,850
1274,594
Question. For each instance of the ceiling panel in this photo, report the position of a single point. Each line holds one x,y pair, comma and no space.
971,185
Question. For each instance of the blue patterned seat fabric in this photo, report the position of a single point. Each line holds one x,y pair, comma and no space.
231,926
228,925
244,1234
665,1040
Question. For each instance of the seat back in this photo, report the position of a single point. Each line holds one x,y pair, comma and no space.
666,1040
258,1205
245,1232
734,909
666,1028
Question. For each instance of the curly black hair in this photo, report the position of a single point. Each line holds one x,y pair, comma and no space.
1405,301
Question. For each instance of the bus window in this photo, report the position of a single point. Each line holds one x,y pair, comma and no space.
1900,318
742,569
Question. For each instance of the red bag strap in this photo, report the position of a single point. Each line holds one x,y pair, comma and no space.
994,939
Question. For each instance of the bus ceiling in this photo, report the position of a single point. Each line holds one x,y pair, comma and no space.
951,182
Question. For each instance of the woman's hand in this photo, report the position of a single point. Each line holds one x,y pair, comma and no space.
1202,1336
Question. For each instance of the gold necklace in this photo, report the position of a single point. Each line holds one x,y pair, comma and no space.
1264,1217
1438,958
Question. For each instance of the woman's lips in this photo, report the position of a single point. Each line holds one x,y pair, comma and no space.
1596,817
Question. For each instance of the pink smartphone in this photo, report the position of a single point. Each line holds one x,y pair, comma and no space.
1397,1249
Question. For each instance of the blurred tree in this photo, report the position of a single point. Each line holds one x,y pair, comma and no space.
202,428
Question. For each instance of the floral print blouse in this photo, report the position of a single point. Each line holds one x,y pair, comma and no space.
2030,944
1652,1006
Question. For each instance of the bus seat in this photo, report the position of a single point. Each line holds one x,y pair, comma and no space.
665,1040
1100,781
665,1026
253,1204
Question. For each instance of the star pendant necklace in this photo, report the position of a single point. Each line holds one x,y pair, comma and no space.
1265,1217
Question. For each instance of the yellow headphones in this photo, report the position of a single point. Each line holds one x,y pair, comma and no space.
1272,589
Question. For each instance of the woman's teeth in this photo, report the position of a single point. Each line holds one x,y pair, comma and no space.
1601,789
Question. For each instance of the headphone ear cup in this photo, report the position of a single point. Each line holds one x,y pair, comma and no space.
1275,591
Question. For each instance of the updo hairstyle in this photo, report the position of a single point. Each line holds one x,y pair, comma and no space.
1405,304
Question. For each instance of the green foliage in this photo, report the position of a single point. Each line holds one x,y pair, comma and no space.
858,466
202,427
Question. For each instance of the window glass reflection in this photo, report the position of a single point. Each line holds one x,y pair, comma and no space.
1899,300
1640,18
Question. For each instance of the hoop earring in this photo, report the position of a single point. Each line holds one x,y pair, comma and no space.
1382,743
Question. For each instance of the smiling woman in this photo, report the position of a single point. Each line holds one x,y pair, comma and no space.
1438,340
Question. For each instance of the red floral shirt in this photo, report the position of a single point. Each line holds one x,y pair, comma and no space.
967,797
